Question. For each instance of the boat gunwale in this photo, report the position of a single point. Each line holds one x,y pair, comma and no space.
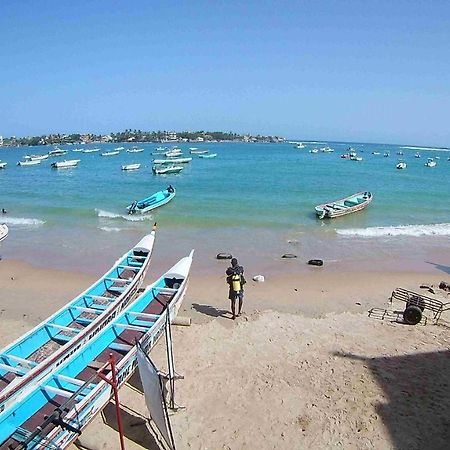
348,210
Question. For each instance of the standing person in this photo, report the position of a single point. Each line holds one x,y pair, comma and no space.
236,281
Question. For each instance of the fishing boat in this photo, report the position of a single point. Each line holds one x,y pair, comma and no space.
386,154
135,150
194,151
165,170
111,153
3,231
300,145
65,164
173,153
400,153
430,162
375,153
347,205
210,155
57,152
156,200
77,150
172,160
3,165
327,150
314,150
417,155
131,167
91,150
119,148
355,158
28,163
401,165
345,156
40,351
160,149
66,400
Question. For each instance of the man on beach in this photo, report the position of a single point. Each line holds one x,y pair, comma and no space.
236,281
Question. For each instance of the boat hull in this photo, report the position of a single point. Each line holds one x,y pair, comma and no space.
344,206
156,200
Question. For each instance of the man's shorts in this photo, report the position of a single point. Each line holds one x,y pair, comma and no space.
238,295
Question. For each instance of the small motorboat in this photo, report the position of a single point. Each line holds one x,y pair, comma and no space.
65,164
376,153
356,158
417,155
119,148
111,153
3,165
172,160
3,231
91,150
430,162
400,153
314,150
401,165
156,200
210,155
57,152
342,207
135,150
173,153
195,151
29,163
386,154
131,167
35,157
165,170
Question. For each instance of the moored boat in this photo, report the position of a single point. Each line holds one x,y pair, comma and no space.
401,165
65,164
165,170
119,148
3,231
3,165
172,160
417,155
57,152
111,153
195,151
35,157
29,163
66,400
91,150
131,167
386,154
135,150
344,206
210,155
155,200
430,162
41,350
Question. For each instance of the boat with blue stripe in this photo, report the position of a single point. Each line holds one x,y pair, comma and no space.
155,200
67,399
43,349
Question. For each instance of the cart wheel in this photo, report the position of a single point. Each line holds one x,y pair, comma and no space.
419,302
412,315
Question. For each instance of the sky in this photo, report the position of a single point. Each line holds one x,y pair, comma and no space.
367,71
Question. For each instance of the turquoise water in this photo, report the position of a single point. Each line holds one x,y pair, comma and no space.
257,199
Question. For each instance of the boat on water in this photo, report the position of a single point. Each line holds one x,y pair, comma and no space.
194,151
344,206
79,150
400,153
208,156
29,163
160,149
91,150
430,162
35,157
66,400
314,150
401,165
119,148
155,200
65,164
172,160
57,152
41,350
355,157
131,167
165,169
173,153
327,150
300,145
386,154
3,165
345,156
135,150
111,153
3,231
417,155
375,153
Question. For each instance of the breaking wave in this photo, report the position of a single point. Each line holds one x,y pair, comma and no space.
111,215
439,229
110,229
21,221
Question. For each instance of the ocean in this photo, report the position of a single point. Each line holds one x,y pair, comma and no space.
254,200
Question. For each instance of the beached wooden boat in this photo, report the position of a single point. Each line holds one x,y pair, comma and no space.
66,400
111,153
166,169
28,163
156,200
3,165
210,155
131,167
65,164
40,351
347,205
172,160
3,231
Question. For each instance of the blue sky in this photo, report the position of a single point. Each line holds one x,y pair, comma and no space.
373,71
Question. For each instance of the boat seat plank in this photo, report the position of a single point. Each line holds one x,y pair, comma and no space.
62,392
120,347
118,280
18,359
16,369
142,329
87,310
126,267
74,381
62,327
84,320
153,317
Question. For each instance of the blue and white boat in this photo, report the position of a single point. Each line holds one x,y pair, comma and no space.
210,155
64,402
344,206
3,231
156,200
40,351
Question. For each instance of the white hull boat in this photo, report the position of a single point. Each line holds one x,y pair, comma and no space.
3,231
113,153
131,167
3,165
65,164
28,163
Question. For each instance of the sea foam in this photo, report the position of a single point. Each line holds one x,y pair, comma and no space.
439,229
110,229
132,218
21,221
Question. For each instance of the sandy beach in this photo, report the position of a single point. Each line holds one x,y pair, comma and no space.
303,367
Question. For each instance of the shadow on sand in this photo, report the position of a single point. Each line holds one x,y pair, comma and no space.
440,267
417,411
209,310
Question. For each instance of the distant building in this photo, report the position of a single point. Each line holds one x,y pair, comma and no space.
200,139
171,136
